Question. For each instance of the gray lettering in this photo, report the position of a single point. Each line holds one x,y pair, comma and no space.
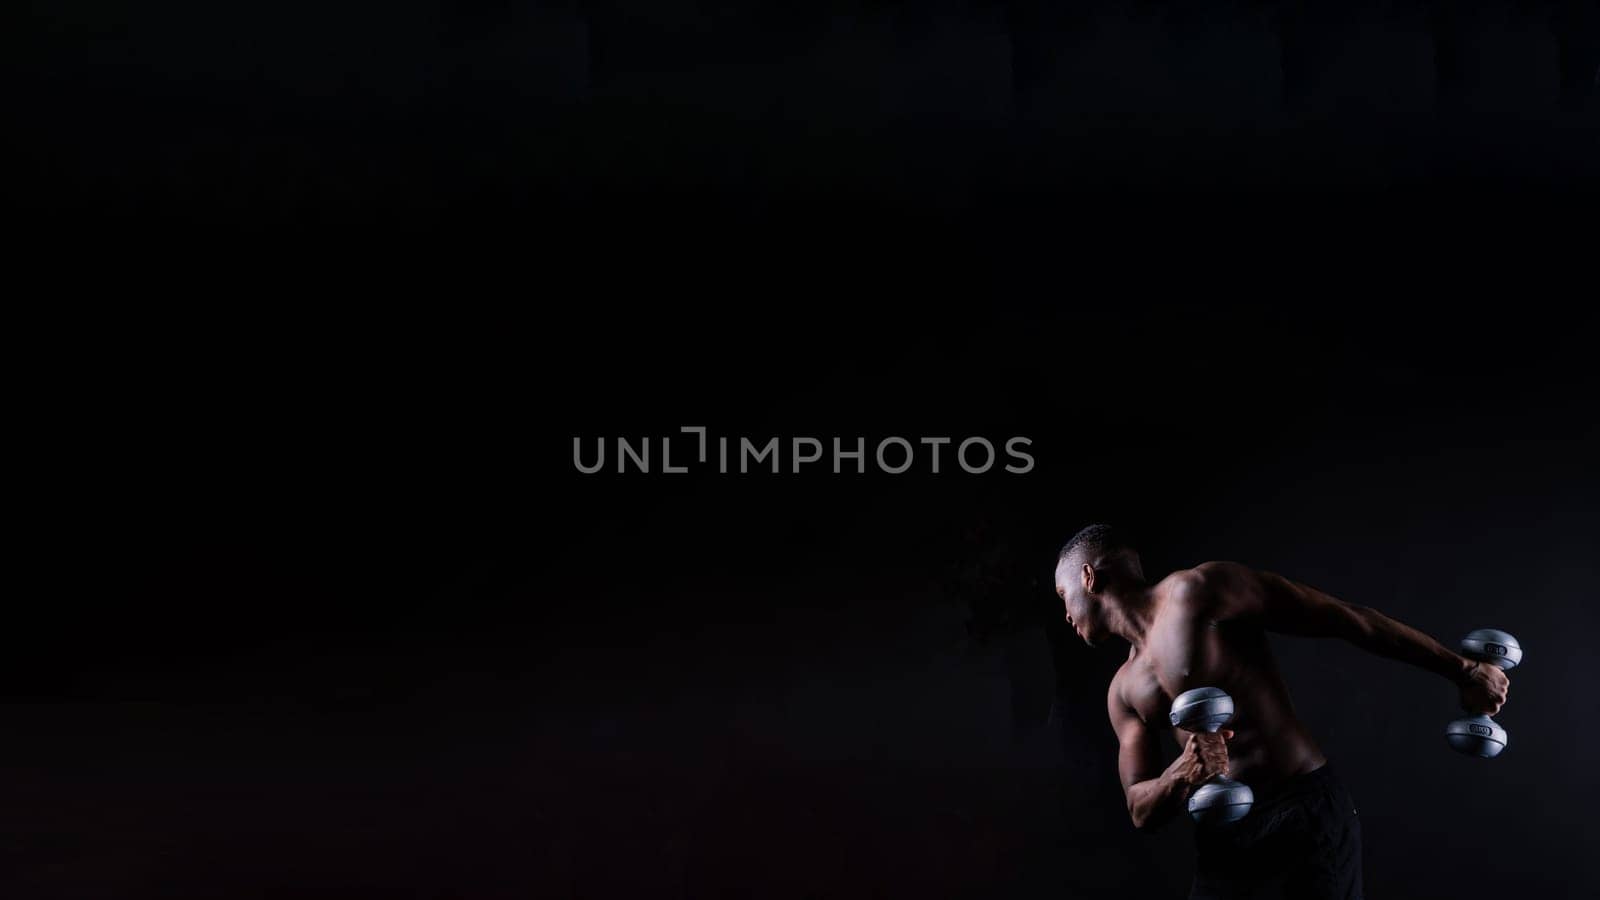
909,454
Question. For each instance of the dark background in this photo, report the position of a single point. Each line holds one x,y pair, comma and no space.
310,601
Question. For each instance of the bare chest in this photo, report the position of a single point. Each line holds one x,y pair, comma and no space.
1160,672
1142,692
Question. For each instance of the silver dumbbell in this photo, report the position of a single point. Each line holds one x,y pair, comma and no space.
1481,735
1221,799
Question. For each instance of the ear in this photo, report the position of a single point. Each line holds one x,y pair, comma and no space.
1088,578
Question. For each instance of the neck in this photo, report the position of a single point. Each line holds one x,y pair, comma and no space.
1131,611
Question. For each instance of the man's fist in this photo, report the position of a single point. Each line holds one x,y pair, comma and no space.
1203,756
1483,688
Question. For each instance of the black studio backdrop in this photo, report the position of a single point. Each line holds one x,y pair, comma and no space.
310,601
300,119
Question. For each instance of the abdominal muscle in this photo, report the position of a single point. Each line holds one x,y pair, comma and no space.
1269,742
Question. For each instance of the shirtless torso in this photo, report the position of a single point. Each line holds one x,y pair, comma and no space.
1209,629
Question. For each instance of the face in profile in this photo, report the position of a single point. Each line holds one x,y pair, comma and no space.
1083,610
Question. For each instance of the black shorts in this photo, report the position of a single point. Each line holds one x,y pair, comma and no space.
1300,840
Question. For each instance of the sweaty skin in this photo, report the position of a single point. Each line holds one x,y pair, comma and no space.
1207,627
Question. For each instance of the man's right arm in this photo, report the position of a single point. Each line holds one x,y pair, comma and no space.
1154,793
1294,608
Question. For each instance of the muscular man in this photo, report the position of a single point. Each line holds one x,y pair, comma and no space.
1207,627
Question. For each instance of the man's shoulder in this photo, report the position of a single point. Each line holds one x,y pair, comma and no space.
1207,586
1213,572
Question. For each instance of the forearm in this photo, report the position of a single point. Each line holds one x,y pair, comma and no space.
1298,609
1377,633
1151,803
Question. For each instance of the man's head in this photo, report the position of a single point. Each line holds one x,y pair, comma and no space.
1093,570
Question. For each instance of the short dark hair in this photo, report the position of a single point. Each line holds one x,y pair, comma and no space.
1095,541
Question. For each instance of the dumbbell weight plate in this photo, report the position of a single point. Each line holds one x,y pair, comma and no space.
1492,645
1201,709
1476,736
1220,802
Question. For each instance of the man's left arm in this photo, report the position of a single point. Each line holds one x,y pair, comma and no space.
1293,608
